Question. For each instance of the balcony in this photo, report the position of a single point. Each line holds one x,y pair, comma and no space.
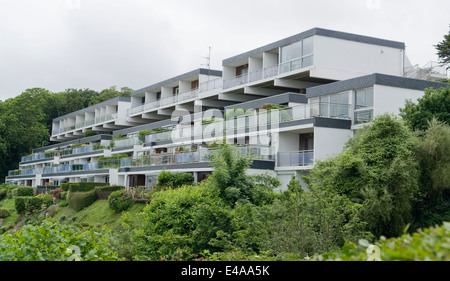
25,172
200,155
85,124
295,158
172,100
268,72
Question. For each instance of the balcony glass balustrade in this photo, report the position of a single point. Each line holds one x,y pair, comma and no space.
295,158
87,123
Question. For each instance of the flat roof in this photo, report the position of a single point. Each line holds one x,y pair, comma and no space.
203,71
312,32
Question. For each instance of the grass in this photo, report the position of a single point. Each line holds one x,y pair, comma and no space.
96,215
9,204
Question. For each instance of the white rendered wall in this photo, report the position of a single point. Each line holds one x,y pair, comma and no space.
342,59
390,99
288,142
329,142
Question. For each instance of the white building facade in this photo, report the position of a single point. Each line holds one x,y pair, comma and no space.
288,104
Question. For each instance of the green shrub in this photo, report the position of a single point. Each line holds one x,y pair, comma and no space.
429,244
80,200
9,188
51,211
170,179
3,193
120,201
34,203
46,198
20,203
85,186
103,192
51,241
64,186
13,192
25,191
57,193
4,213
63,203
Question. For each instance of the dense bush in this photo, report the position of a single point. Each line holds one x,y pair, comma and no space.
85,186
50,241
430,244
29,204
4,213
177,223
174,179
378,170
80,200
57,193
20,203
64,186
103,192
3,193
25,191
46,199
120,201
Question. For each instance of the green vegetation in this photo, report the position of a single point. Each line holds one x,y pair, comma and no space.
51,241
430,244
434,104
443,50
120,201
174,179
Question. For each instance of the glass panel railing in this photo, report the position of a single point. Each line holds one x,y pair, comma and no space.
126,142
296,158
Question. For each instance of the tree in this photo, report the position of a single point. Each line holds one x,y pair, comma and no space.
432,153
435,103
376,169
443,50
110,93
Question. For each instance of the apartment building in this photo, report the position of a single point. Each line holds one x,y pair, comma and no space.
288,104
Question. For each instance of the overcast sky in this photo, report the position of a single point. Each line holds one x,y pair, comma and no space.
60,44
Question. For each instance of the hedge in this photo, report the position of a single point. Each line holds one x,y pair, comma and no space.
84,186
103,192
3,193
25,191
27,204
4,213
80,200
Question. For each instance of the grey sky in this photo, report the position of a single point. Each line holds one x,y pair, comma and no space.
59,44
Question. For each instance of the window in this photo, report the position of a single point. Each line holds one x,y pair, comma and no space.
194,85
142,101
297,55
175,90
158,95
335,105
363,106
241,70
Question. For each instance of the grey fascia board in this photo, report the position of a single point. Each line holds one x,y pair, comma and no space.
93,172
93,107
370,80
312,32
158,85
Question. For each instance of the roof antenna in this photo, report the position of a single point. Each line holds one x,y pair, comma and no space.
208,64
